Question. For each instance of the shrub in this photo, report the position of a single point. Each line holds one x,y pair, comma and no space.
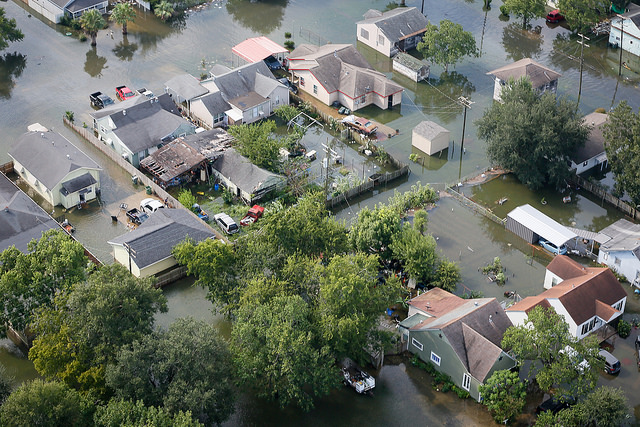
69,115
601,110
504,10
624,328
289,44
287,35
227,196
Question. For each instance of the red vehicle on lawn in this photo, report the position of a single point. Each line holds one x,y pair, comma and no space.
123,92
252,216
554,16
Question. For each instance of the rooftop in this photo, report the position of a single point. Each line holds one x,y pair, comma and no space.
257,48
541,224
539,75
397,23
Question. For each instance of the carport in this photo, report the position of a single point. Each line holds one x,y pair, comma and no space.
531,224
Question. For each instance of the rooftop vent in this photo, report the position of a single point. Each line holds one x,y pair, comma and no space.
124,112
68,157
41,134
475,303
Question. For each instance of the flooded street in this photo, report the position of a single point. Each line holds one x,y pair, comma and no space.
49,73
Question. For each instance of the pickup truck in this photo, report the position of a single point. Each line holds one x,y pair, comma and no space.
123,92
360,124
252,216
137,217
100,100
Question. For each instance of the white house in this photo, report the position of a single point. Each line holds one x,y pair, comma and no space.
338,72
620,249
139,126
397,30
625,30
542,79
592,153
429,137
54,10
588,298
55,168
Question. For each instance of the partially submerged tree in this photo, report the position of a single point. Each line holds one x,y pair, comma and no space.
447,44
504,395
525,9
163,10
122,14
9,31
447,275
416,252
92,22
532,135
582,15
374,230
255,141
622,145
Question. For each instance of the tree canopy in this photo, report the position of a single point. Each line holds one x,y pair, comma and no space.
525,9
187,368
622,145
30,281
123,13
374,230
448,44
256,142
126,413
416,252
532,135
557,356
91,22
582,15
84,330
9,31
504,395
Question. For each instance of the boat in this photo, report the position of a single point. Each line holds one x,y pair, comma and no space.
356,378
566,199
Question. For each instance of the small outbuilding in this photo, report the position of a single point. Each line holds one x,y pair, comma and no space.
430,137
531,224
410,66
256,49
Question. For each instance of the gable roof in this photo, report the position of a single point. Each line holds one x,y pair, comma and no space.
242,80
257,48
186,86
154,239
214,103
480,353
565,267
541,224
623,236
539,75
594,144
49,157
78,5
429,129
244,174
340,67
21,219
61,3
397,23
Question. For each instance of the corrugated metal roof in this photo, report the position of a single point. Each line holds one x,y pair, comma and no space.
257,48
542,225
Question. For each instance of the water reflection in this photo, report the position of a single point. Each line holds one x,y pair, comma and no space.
260,16
149,30
440,98
94,64
521,43
11,66
125,50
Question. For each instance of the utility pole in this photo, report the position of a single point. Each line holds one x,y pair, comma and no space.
582,46
621,35
422,8
466,103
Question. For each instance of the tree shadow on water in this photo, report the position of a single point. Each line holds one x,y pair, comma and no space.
262,17
11,67
94,64
521,43
439,96
125,50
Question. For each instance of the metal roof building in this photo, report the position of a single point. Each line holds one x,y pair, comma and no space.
258,48
531,224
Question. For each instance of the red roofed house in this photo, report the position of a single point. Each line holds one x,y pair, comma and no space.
338,72
587,297
460,337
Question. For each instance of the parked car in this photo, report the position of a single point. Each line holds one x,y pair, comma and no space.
150,205
146,92
272,63
365,126
285,81
137,217
100,100
554,16
611,364
226,223
123,92
562,250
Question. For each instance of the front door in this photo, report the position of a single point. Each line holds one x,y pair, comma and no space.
390,102
82,199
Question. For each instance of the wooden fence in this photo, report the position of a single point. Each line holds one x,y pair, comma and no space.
366,186
170,276
7,168
476,207
605,196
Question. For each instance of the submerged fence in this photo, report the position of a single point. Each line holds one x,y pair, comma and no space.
475,207
605,196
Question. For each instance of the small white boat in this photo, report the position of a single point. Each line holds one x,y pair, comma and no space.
355,377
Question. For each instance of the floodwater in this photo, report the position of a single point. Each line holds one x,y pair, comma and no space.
49,73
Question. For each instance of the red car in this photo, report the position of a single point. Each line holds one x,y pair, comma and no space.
123,92
554,16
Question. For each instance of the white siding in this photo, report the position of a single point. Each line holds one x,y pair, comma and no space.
631,37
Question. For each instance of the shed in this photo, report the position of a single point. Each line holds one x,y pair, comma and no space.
430,137
411,67
173,161
531,224
258,48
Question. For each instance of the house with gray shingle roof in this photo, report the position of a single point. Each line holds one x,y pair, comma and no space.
54,10
542,79
21,219
338,72
592,153
147,249
620,249
460,337
137,127
397,30
55,168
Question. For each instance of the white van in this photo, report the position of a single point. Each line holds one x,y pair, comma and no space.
226,223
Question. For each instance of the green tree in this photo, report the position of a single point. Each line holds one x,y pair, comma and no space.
83,332
39,403
9,31
126,413
603,407
122,14
416,252
504,395
255,141
374,230
163,10
555,354
187,199
532,135
582,15
278,354
448,44
350,304
92,22
286,112
447,275
421,220
6,384
525,9
622,145
187,368
31,281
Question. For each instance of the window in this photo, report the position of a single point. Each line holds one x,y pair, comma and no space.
617,261
364,33
363,99
277,100
218,118
435,358
381,40
587,327
554,281
102,129
466,381
585,163
618,306
605,256
417,344
255,112
315,89
301,81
